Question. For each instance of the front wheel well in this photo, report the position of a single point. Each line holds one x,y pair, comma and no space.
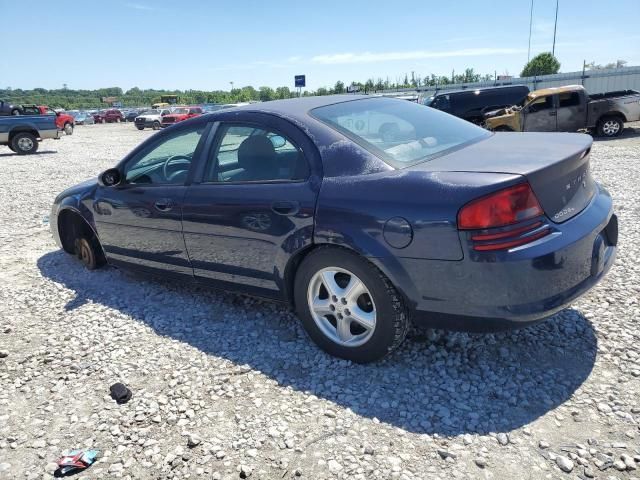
72,226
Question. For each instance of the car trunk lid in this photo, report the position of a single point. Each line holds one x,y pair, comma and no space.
556,166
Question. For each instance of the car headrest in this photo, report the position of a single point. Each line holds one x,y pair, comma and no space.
256,153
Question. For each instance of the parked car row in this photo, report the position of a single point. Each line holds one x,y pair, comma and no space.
559,109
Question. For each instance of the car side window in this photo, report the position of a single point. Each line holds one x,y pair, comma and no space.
569,99
541,103
441,103
166,162
248,153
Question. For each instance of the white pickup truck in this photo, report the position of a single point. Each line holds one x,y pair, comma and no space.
151,118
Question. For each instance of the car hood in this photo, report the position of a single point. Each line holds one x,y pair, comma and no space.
81,190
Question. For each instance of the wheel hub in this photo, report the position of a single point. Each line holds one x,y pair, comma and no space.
342,306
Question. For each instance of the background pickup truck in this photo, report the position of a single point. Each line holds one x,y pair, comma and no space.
21,133
64,121
569,109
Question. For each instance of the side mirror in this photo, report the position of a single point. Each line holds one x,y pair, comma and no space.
277,141
110,177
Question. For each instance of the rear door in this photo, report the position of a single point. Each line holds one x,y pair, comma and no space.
253,207
572,112
539,115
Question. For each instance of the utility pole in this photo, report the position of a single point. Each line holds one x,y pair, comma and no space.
555,25
231,86
530,25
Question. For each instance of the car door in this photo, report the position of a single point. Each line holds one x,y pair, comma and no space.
572,113
139,220
539,115
254,204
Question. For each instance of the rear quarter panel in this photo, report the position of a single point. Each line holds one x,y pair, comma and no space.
353,210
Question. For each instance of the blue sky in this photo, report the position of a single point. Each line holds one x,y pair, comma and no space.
207,44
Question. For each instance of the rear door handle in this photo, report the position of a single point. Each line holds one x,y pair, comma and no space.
164,204
285,208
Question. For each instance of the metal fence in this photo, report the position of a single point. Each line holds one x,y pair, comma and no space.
594,81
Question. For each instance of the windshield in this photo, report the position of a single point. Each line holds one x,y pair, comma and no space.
181,111
401,133
151,112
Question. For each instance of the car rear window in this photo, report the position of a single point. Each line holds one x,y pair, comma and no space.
399,132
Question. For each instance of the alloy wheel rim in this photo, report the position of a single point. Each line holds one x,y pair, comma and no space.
25,144
610,127
342,306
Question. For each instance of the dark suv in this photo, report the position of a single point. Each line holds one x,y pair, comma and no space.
472,104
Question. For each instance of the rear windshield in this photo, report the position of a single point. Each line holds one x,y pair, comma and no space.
401,133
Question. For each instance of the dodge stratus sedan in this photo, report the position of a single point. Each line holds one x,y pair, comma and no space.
364,214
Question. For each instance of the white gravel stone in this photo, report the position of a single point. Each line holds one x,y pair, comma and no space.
242,374
564,463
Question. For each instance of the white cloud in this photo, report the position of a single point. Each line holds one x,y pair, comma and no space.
138,6
373,57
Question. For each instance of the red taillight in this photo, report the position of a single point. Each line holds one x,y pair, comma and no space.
505,207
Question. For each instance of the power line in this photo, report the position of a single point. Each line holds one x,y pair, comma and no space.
530,24
555,25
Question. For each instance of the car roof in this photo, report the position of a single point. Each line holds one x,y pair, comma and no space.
497,87
553,90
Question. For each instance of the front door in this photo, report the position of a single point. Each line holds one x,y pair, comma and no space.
539,115
252,210
139,221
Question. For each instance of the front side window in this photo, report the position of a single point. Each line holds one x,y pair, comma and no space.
249,153
401,133
166,162
541,103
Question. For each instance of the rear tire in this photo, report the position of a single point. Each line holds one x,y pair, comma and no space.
610,127
15,111
24,143
140,128
362,327
156,125
68,129
89,253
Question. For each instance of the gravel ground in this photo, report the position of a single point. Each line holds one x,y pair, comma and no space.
229,387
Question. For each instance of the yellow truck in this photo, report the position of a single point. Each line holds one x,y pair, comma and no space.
568,109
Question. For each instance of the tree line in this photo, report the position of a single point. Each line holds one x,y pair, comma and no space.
542,64
75,99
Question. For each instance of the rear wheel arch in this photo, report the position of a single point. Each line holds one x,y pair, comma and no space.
295,261
18,130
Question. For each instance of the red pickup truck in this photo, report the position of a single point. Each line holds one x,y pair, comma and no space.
179,114
64,121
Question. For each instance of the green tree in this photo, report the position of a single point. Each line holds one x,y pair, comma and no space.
266,94
339,87
322,91
542,64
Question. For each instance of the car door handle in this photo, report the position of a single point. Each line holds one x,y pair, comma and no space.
164,204
285,208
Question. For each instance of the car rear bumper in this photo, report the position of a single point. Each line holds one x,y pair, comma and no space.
507,289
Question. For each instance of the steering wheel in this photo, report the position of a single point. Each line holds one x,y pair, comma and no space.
177,159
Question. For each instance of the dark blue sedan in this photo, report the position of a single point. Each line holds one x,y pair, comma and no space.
364,214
